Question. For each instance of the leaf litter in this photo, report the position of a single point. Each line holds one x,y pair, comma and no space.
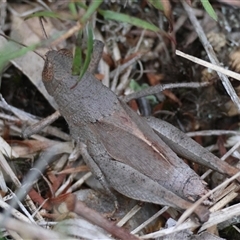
55,186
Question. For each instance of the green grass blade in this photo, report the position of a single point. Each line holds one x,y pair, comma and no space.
90,10
78,59
11,51
73,9
110,15
81,5
209,9
89,53
156,4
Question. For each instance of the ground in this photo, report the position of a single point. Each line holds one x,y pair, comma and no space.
150,59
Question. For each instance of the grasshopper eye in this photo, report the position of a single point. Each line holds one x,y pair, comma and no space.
65,52
47,73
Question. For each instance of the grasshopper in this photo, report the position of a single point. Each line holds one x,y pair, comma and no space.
124,151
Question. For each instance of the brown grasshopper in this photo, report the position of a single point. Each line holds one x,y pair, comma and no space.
120,147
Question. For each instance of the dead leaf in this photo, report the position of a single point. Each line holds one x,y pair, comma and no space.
29,32
172,96
154,79
39,199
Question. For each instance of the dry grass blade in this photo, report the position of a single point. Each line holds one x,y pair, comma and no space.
215,218
66,35
79,183
223,158
156,215
6,149
5,166
230,194
129,215
209,65
187,225
221,216
16,213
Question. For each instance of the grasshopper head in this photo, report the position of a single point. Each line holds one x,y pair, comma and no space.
58,65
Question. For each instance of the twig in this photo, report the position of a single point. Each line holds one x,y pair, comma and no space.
212,132
31,119
160,87
211,54
35,128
